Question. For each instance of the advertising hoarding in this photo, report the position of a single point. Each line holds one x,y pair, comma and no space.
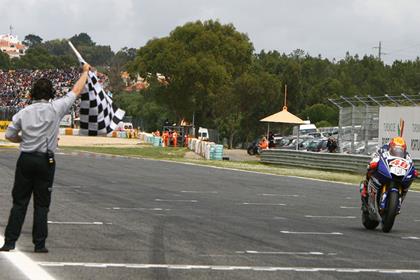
393,120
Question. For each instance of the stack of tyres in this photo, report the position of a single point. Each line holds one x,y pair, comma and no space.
157,141
218,152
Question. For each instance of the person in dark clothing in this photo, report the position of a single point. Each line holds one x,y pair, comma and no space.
36,128
271,143
331,144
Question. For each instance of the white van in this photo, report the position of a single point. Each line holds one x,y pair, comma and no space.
305,128
203,134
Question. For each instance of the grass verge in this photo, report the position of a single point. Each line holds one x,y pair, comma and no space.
178,154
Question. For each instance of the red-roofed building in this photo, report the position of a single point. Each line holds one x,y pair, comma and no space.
11,45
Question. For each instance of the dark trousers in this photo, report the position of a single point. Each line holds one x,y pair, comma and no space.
33,175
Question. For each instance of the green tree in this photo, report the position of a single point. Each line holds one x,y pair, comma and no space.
4,61
32,40
202,61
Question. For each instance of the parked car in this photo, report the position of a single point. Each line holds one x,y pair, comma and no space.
318,145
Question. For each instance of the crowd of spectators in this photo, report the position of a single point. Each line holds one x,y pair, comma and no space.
15,86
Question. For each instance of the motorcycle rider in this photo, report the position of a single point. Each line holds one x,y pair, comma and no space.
397,148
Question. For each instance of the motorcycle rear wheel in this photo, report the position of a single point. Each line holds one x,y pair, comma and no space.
390,212
367,222
251,151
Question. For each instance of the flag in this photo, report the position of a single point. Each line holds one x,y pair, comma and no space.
98,115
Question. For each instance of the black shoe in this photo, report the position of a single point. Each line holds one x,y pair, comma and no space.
41,250
7,247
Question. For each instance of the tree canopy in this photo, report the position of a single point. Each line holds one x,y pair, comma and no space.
213,74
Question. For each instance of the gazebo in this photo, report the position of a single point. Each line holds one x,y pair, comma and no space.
283,116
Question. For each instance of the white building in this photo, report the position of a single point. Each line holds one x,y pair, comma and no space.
11,45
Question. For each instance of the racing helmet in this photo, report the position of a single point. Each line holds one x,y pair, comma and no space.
397,147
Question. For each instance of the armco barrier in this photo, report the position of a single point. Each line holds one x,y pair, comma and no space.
323,161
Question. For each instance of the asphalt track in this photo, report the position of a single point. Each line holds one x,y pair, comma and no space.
121,218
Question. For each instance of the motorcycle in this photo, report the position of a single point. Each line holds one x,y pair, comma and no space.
386,189
254,148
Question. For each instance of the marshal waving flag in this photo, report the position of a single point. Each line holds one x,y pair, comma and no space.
98,115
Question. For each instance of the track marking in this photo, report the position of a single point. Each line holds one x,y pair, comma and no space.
349,207
331,217
231,268
411,238
262,204
280,218
79,223
135,208
310,232
417,220
205,192
28,267
176,200
280,253
282,195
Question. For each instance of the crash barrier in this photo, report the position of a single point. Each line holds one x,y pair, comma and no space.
150,139
116,134
323,161
208,150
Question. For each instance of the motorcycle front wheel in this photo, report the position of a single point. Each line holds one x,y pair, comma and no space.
390,212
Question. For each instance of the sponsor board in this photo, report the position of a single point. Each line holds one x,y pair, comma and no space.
66,121
394,121
4,125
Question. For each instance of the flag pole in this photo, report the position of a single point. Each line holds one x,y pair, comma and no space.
79,56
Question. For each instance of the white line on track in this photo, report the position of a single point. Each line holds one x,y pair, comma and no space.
280,253
231,268
349,207
205,192
411,238
282,195
28,267
79,223
417,220
262,204
177,200
330,217
310,232
136,208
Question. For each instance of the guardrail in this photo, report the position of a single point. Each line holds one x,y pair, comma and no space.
322,161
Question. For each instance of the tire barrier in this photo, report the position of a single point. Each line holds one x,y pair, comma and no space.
115,134
208,150
322,161
150,139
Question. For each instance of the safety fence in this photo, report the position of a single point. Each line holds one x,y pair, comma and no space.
208,150
322,161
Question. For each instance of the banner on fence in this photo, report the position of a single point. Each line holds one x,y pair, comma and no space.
396,120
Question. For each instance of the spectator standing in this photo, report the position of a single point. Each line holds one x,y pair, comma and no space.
36,129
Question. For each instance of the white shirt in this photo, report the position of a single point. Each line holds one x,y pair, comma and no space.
40,123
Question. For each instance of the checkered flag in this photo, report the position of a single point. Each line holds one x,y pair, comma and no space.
98,115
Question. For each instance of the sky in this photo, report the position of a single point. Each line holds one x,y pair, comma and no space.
329,28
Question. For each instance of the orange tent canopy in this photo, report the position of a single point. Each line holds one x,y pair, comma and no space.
283,116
